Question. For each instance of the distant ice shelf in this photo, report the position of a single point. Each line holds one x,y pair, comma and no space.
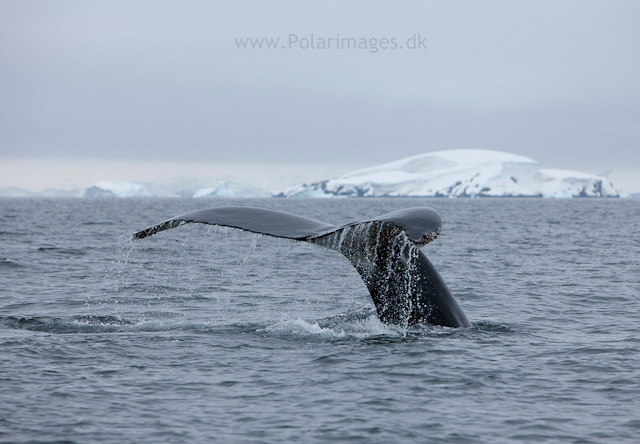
459,173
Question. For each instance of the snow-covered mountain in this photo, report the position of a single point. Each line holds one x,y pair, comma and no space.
460,173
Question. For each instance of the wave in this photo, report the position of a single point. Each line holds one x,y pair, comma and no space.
361,325
8,263
63,251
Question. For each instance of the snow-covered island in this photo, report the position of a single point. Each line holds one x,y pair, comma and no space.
459,173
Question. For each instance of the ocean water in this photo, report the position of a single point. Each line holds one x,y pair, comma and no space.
203,334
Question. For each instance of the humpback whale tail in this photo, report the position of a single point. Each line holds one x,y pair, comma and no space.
405,287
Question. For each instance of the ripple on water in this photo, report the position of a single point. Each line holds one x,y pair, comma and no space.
8,263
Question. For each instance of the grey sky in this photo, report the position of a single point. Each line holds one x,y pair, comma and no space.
558,81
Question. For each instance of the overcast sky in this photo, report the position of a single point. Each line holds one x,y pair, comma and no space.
558,81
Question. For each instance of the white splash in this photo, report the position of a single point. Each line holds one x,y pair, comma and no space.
358,329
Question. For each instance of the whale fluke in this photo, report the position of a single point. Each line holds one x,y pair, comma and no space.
256,220
405,287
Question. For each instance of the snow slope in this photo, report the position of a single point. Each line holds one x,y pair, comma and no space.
460,173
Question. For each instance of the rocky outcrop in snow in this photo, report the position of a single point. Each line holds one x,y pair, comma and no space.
460,173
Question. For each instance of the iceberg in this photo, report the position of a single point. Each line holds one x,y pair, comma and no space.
107,188
459,173
15,192
220,190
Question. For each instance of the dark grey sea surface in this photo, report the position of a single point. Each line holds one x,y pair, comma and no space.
203,334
